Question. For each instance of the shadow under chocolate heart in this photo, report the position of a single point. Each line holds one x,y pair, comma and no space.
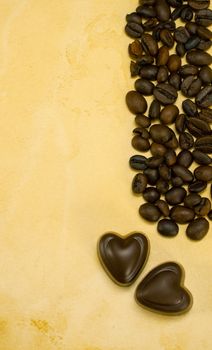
123,257
162,290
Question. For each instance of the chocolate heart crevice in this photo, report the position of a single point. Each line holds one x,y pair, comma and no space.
162,290
123,257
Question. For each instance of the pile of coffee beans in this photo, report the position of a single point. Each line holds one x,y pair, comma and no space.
179,138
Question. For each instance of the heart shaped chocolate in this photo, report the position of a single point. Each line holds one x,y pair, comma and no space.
162,290
123,257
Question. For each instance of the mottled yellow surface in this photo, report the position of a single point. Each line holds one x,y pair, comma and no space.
64,180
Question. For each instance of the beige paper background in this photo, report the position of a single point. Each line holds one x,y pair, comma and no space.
64,180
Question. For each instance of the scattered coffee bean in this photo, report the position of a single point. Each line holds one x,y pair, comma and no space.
177,181
163,56
191,27
163,207
186,141
199,4
181,35
135,49
191,200
197,229
210,215
181,171
154,162
149,212
203,173
175,195
175,3
174,63
184,158
180,123
146,11
134,30
192,42
204,33
173,142
162,185
143,121
149,44
168,114
203,208
170,157
205,74
191,86
186,14
165,93
138,162
175,80
199,58
187,70
136,102
204,144
160,133
163,74
198,127
181,214
204,17
204,97
157,149
165,172
139,183
151,194
163,12
149,72
144,86
205,114
189,108
167,38
141,132
201,158
140,144
168,228
154,109
152,176
197,186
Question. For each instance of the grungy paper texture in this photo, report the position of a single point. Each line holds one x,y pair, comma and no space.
64,180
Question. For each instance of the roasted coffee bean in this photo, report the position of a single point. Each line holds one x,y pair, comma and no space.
203,173
192,42
154,109
181,171
168,114
177,12
167,38
146,11
149,212
163,207
186,14
143,121
205,114
141,132
180,49
186,141
204,17
152,175
180,123
163,56
150,24
204,45
177,181
204,97
181,214
134,18
175,3
203,208
173,142
197,229
191,200
138,162
201,158
187,70
198,127
210,215
174,63
149,72
165,172
144,60
197,186
198,58
144,86
139,183
199,4
134,69
135,49
165,93
191,27
151,194
136,102
170,25
162,186
175,195
189,108
160,133
181,35
204,33
170,157
140,144
185,158
134,30
167,228
163,74
205,74
175,80
147,2
149,45
154,162
191,86
157,149
204,144
156,32
163,12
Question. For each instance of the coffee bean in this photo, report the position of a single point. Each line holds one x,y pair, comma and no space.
163,207
157,149
165,93
204,45
150,24
135,49
140,144
149,72
199,4
174,63
141,132
180,123
173,142
191,27
175,3
177,12
191,86
197,186
154,109
163,56
136,102
146,11
198,127
177,181
198,58
134,69
201,158
181,171
204,97
144,60
139,183
186,141
204,144
205,114
154,162
152,175
187,70
149,45
186,14
151,194
144,86
134,18
138,162
160,133
175,195
197,229
204,33
175,80
181,35
203,173
210,215
203,208
181,214
142,120
191,200
165,172
189,108
167,228
170,158
205,74
184,158
162,10
204,17
167,38
149,212
134,30
192,42
180,49
168,114
162,186
162,75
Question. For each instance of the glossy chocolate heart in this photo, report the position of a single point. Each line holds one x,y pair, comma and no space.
162,290
123,257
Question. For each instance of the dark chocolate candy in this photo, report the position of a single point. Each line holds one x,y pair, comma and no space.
123,257
162,290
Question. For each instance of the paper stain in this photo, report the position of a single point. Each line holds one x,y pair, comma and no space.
3,327
43,327
174,342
